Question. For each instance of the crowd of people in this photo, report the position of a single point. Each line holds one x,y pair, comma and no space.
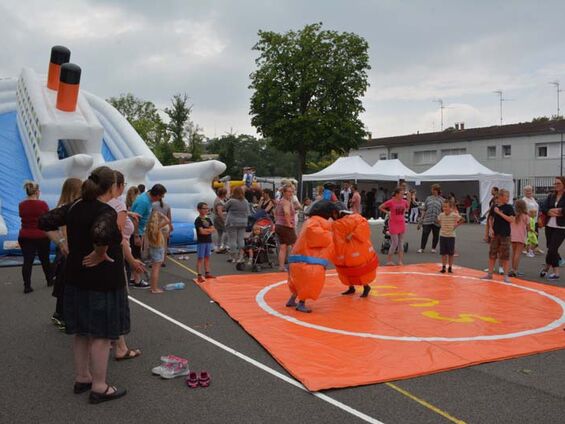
103,244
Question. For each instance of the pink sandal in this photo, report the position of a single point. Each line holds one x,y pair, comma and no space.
204,379
192,380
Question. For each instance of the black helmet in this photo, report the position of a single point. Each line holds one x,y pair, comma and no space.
322,208
341,209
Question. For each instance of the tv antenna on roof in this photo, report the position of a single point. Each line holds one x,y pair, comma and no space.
556,84
501,99
441,108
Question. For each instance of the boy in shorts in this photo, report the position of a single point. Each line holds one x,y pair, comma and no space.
204,229
502,216
448,220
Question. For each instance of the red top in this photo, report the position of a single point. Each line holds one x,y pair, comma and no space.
30,211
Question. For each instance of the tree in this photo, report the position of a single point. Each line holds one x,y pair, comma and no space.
238,151
179,114
195,141
307,90
144,118
141,114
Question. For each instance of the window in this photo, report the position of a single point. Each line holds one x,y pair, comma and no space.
447,152
541,151
382,156
425,157
506,151
491,152
394,155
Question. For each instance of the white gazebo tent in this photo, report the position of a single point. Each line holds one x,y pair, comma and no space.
390,170
454,168
344,168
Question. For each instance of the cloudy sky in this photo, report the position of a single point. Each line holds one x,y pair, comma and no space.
459,51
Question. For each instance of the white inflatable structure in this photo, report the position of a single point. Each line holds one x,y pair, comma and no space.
42,143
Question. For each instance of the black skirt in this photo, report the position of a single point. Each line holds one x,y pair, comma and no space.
99,314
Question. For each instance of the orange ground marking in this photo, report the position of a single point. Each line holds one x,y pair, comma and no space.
415,322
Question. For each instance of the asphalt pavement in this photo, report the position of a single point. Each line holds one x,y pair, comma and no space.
248,385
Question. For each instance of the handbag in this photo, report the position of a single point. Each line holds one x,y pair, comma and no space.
542,220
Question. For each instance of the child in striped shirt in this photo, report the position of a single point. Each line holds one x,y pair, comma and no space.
448,220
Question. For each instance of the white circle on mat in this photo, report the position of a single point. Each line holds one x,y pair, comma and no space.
260,299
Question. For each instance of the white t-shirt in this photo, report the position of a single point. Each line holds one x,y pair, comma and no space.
531,204
119,206
553,221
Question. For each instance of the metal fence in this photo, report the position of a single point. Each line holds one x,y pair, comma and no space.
542,186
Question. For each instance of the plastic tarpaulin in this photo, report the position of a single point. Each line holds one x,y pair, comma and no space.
415,322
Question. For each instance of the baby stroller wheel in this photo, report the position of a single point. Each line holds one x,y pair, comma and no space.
240,266
256,268
405,247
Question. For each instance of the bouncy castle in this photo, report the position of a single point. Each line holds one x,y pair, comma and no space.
50,130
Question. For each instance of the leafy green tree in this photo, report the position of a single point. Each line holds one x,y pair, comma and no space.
195,141
307,90
141,114
179,114
144,118
238,151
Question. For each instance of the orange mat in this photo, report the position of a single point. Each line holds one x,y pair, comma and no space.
415,322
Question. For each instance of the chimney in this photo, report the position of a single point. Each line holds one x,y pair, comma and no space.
69,84
457,125
462,125
59,56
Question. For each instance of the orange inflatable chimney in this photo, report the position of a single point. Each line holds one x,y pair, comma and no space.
59,55
69,83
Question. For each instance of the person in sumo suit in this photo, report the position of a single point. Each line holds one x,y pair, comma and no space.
355,259
310,256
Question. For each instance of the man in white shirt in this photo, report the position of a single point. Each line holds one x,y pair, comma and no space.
345,194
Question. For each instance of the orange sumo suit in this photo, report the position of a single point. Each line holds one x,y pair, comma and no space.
310,255
355,259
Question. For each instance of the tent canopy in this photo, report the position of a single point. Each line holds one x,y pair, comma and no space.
355,168
467,168
344,168
390,170
460,168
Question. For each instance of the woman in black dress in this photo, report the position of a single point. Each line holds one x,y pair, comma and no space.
96,309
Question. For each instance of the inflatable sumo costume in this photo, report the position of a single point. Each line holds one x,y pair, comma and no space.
310,256
355,259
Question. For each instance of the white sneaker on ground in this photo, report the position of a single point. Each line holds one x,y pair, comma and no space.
420,250
501,270
172,370
433,251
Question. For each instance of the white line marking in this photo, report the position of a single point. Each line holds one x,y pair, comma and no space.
260,299
259,365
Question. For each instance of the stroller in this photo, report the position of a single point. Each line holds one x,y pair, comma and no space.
262,245
386,242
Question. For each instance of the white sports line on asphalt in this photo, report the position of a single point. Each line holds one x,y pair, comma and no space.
259,365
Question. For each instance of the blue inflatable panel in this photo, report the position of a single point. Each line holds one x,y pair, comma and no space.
13,172
107,153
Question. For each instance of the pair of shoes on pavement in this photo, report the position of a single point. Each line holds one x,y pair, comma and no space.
195,380
171,366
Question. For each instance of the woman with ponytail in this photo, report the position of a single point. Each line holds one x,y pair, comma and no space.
95,300
32,240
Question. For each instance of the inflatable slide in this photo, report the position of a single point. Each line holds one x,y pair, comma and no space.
44,139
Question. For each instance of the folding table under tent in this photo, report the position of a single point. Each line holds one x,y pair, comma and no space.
453,168
344,168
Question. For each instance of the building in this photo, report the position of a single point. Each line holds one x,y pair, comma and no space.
531,152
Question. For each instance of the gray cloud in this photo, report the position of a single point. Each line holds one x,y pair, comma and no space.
457,50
